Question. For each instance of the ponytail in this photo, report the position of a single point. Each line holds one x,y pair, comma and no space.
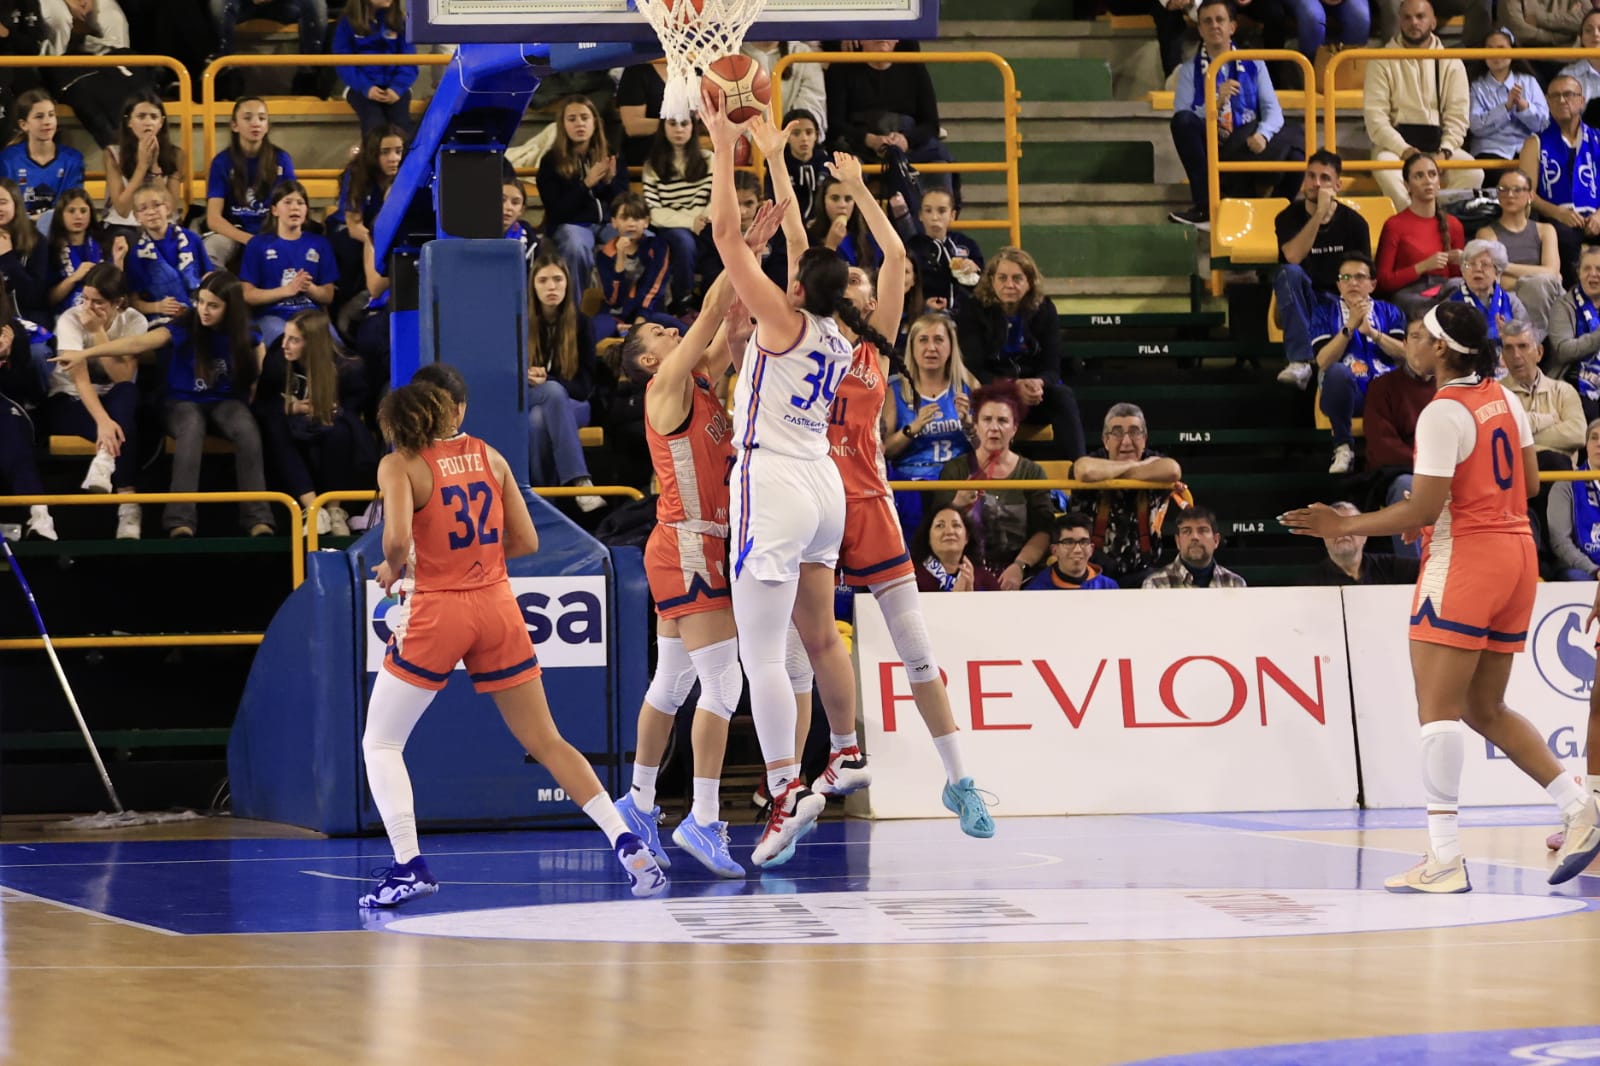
415,415
851,315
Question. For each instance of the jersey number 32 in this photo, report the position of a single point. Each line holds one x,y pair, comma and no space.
474,528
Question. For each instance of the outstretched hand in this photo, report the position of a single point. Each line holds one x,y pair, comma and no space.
724,134
1318,520
769,216
846,168
769,138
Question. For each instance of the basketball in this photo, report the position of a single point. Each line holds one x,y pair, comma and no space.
698,5
743,86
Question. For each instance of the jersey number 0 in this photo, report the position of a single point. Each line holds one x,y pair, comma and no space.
461,498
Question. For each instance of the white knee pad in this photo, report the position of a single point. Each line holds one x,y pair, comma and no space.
674,676
721,680
798,663
902,612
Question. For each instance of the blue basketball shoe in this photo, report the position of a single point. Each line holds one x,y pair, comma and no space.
400,883
709,844
965,801
644,873
643,824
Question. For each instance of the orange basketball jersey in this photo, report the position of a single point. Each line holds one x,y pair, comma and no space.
693,465
855,435
456,531
1489,493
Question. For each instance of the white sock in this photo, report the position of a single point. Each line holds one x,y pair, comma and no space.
603,813
1568,794
644,786
707,800
778,780
949,747
392,714
1443,752
841,741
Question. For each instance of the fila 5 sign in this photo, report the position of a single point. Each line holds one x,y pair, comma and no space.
1085,704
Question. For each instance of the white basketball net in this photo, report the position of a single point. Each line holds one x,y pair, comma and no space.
693,40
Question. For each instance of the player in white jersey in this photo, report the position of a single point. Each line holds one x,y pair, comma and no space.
787,513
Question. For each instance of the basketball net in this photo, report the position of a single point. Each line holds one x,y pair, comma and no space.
693,40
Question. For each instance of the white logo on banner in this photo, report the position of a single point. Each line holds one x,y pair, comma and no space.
1003,916
566,619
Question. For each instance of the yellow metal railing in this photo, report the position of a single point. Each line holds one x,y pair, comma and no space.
1013,138
997,485
1215,167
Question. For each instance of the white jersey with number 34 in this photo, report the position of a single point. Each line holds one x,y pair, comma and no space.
781,402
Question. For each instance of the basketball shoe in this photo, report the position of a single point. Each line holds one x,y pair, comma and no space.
401,882
1431,875
644,873
790,814
846,772
709,844
965,801
644,824
1579,846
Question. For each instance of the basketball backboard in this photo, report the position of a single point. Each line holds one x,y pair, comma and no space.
603,21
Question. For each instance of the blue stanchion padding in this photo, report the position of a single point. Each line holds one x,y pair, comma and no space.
630,656
295,752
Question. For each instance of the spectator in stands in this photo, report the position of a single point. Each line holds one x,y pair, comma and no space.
1196,567
1481,265
803,86
578,180
949,261
1127,524
1540,23
879,109
677,190
1573,515
41,168
513,203
1173,19
308,402
1533,263
1419,249
241,178
1315,232
1312,19
98,399
1249,121
1574,341
805,159
380,96
310,15
1563,160
1508,105
1418,106
1394,402
363,187
20,378
929,421
1010,331
1586,71
143,155
24,36
287,270
945,550
168,261
1013,524
634,268
1554,410
1357,340
23,254
73,251
561,378
95,94
1071,545
1349,564
640,91
839,225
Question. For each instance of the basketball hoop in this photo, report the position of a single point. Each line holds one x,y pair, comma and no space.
694,34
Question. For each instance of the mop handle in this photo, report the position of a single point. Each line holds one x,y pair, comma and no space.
55,663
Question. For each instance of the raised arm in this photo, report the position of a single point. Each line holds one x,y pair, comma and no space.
667,403
771,141
137,344
892,271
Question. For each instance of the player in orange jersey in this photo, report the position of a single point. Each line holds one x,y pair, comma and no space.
873,552
1474,472
453,515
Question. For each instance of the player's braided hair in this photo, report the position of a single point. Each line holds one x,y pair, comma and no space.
851,315
415,415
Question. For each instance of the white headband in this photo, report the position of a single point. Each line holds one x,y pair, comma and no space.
1431,320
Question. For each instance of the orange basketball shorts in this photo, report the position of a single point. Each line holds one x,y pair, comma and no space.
1477,593
687,571
873,550
481,628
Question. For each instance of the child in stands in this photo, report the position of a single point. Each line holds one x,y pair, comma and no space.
378,95
285,269
239,182
74,249
144,155
40,167
168,261
839,226
513,202
561,379
22,253
363,187
633,268
677,189
951,262
579,178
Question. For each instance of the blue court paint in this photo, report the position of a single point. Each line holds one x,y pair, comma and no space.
282,886
1506,1047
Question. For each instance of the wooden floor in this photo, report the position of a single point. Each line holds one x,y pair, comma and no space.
94,974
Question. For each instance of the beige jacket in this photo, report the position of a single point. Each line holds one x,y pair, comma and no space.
1410,92
1554,412
1558,21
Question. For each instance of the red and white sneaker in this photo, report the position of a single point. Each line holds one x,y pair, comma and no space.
846,772
791,813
